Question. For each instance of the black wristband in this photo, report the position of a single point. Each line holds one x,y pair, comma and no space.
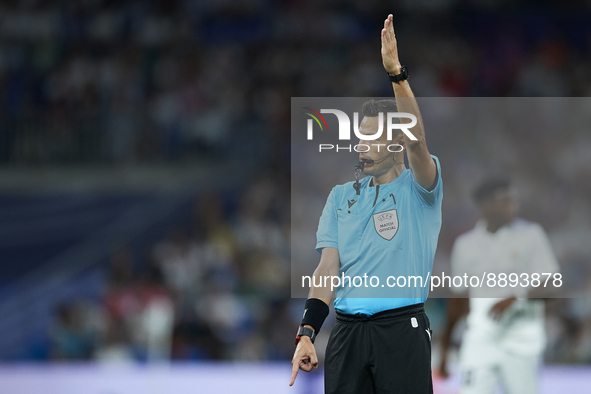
315,313
400,77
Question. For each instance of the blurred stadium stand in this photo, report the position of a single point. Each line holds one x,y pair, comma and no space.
70,235
144,150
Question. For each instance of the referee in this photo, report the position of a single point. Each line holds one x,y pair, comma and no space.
378,345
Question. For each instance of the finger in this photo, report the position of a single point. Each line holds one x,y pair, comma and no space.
294,371
306,366
389,31
314,361
390,26
386,39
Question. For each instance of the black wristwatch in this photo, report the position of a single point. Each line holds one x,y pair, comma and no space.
400,77
305,331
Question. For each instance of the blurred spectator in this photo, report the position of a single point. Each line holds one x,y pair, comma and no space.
128,82
73,335
139,313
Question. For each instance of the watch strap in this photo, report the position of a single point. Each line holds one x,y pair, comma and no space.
400,77
307,331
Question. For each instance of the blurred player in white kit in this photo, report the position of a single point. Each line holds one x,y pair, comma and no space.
505,335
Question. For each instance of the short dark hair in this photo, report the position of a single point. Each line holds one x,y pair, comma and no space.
373,107
489,187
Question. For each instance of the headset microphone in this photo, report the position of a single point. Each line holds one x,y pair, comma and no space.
360,166
363,162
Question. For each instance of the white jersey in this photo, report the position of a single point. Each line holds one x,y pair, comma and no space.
520,247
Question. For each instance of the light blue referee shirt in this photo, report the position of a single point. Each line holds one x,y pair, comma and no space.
390,232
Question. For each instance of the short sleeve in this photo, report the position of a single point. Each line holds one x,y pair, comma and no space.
429,197
327,234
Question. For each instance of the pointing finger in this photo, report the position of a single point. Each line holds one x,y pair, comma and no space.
294,371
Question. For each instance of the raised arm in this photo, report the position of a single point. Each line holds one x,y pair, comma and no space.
305,357
422,165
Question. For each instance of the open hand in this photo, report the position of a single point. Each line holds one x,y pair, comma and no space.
389,47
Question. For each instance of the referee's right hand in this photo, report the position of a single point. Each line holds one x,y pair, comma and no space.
304,358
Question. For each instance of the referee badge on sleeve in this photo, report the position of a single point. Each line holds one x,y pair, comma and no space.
386,224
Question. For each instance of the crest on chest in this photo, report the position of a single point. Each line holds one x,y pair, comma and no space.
386,224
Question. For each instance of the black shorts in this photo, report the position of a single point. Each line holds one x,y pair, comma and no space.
388,352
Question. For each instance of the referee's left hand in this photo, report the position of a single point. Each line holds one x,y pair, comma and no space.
304,358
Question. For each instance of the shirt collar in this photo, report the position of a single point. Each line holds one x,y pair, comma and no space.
398,179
